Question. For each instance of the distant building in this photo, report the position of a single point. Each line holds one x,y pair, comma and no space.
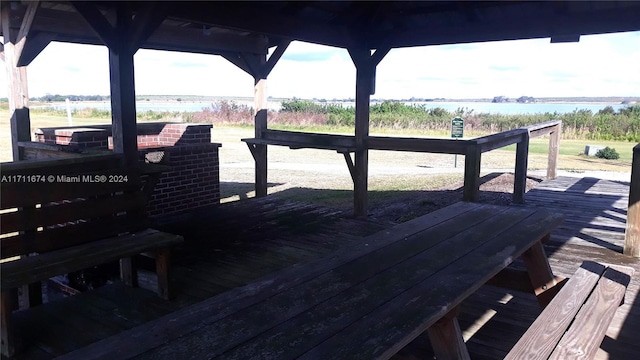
526,99
500,99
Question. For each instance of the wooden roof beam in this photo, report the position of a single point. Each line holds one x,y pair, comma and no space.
146,23
252,64
18,38
25,27
522,27
97,22
239,15
132,31
67,26
37,42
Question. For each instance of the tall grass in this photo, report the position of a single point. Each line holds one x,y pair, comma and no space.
606,124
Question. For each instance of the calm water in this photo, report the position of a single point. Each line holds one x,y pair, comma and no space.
477,107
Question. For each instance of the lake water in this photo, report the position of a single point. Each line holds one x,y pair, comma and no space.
477,107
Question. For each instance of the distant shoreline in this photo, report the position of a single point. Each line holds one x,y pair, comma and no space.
245,100
195,99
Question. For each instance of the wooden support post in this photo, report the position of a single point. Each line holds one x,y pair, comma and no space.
365,64
520,176
14,42
632,233
473,155
364,77
258,66
123,98
446,338
554,150
123,105
260,153
542,279
123,40
123,95
20,121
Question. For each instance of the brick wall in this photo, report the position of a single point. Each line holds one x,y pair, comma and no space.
75,138
194,178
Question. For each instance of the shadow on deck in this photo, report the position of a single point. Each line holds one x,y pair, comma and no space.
232,244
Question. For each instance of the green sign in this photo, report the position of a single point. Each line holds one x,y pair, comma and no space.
457,127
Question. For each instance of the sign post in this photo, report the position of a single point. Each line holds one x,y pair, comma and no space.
457,132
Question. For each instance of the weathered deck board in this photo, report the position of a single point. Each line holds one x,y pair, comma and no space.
595,210
236,243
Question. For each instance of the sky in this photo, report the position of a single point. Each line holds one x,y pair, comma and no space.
598,65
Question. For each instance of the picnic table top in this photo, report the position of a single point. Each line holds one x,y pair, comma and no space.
366,302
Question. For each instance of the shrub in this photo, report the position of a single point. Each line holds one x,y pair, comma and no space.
608,153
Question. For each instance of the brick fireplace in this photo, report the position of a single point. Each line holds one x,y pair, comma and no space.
194,178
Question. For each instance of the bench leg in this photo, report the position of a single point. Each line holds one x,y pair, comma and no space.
31,295
542,279
128,271
163,270
6,306
446,338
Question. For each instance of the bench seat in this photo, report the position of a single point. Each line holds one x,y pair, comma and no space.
65,215
30,269
575,322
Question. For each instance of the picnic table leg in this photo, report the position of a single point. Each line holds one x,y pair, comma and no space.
542,279
446,337
163,271
128,271
6,308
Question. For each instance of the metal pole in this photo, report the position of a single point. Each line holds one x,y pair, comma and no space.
455,159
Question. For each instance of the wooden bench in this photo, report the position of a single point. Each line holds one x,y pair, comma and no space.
364,302
65,215
575,322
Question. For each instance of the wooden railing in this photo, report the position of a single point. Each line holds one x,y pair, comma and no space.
632,234
471,148
520,137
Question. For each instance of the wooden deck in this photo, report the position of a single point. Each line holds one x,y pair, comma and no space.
232,244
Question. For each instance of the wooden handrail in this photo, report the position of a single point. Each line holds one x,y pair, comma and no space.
471,148
520,137
441,146
326,140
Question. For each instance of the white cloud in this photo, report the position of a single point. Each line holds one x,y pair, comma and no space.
332,77
173,73
599,65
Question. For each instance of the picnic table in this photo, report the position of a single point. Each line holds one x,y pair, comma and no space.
364,302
